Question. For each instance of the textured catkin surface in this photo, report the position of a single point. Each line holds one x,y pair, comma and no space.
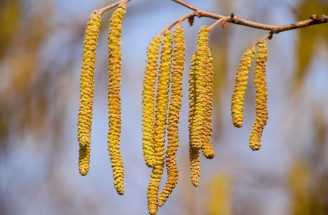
207,147
87,90
173,115
148,100
194,153
261,97
238,96
200,87
114,97
162,99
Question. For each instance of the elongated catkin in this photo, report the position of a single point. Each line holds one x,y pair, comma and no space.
261,97
148,101
238,96
114,97
194,153
200,87
173,115
87,90
162,99
207,147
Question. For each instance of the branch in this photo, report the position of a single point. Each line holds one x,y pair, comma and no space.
275,29
104,9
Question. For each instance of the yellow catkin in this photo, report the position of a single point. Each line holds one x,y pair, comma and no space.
207,147
200,87
87,90
114,97
194,153
261,97
162,99
84,159
238,96
148,100
173,115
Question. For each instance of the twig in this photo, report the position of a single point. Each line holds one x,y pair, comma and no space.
181,19
104,9
275,29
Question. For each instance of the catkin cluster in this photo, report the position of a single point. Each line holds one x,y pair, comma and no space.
114,98
87,90
238,96
161,110
200,104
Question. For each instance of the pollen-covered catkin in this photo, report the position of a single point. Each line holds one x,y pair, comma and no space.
114,97
84,159
207,147
173,115
261,97
200,87
162,99
87,90
148,100
238,96
194,153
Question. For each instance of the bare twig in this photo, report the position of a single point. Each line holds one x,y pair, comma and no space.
275,29
181,19
104,9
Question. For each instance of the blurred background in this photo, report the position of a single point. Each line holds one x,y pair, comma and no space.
40,58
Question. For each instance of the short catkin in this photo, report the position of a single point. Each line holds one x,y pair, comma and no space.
173,115
148,100
238,96
207,147
261,97
114,97
87,90
162,99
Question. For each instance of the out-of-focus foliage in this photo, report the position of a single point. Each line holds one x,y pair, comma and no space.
308,38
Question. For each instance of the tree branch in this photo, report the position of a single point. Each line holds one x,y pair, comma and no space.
104,9
275,29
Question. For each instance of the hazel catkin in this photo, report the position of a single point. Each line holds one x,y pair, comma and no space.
261,97
173,115
87,90
162,99
200,87
194,153
238,96
114,97
207,147
148,100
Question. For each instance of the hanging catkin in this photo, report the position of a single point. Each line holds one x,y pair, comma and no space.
261,97
194,154
114,97
173,115
160,122
207,147
87,90
200,87
148,100
238,96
